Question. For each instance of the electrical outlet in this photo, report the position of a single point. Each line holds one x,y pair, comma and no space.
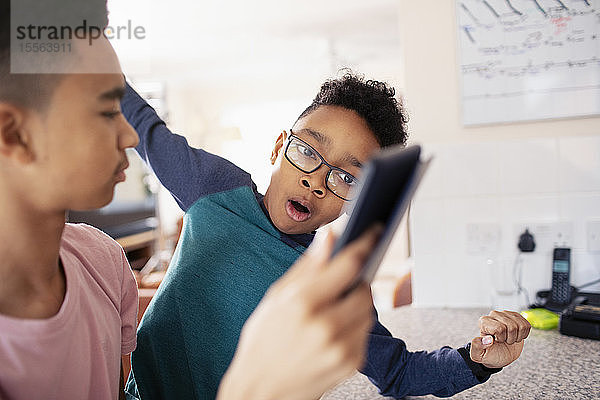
562,233
483,238
541,231
593,236
547,235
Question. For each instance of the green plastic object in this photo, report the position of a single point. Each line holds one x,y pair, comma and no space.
540,318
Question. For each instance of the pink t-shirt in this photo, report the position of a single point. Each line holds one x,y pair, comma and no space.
76,354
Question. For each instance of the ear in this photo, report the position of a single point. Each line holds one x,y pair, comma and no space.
278,146
14,141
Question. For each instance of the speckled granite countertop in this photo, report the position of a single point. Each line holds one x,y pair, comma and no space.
552,366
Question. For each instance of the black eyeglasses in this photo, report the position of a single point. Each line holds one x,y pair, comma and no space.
304,157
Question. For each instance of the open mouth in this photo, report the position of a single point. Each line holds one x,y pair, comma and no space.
297,210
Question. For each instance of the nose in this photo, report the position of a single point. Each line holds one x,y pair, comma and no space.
314,183
128,137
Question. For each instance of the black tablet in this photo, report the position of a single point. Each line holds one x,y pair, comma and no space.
388,183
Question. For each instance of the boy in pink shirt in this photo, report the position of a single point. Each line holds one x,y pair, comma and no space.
68,299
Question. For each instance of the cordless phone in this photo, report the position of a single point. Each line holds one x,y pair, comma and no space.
561,269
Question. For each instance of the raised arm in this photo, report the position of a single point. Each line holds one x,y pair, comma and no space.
188,173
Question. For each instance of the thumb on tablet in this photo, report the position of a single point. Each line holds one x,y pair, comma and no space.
343,269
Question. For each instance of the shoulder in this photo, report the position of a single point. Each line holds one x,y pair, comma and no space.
89,237
98,258
92,246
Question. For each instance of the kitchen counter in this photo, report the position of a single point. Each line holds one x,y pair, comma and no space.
552,366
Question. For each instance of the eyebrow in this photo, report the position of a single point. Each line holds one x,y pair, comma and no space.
323,139
350,159
318,136
113,94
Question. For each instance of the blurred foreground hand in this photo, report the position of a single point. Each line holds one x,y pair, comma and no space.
305,337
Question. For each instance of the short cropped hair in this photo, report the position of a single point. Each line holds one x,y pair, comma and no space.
33,90
372,100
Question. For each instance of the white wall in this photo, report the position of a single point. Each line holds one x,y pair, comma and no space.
537,174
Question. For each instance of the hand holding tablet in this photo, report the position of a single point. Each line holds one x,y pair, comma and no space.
389,182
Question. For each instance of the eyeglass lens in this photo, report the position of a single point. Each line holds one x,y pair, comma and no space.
308,160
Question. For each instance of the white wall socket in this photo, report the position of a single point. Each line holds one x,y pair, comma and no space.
593,236
547,235
483,238
562,234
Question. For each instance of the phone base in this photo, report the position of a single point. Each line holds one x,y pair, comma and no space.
583,329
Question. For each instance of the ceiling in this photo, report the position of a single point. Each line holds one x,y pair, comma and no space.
207,40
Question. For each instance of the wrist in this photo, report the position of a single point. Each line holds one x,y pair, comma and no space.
237,384
481,372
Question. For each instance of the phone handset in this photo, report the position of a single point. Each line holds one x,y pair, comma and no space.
560,293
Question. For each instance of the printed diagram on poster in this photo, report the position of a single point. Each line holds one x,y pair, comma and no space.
528,59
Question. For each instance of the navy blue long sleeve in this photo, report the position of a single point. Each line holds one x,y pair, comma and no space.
398,372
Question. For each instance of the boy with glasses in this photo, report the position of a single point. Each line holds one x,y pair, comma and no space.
236,241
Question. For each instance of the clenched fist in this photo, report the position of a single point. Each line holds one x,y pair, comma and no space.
502,338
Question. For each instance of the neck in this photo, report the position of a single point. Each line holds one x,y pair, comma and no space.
29,252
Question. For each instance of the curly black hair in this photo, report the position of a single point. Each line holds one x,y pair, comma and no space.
374,101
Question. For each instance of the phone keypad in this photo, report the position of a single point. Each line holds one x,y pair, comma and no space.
561,290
